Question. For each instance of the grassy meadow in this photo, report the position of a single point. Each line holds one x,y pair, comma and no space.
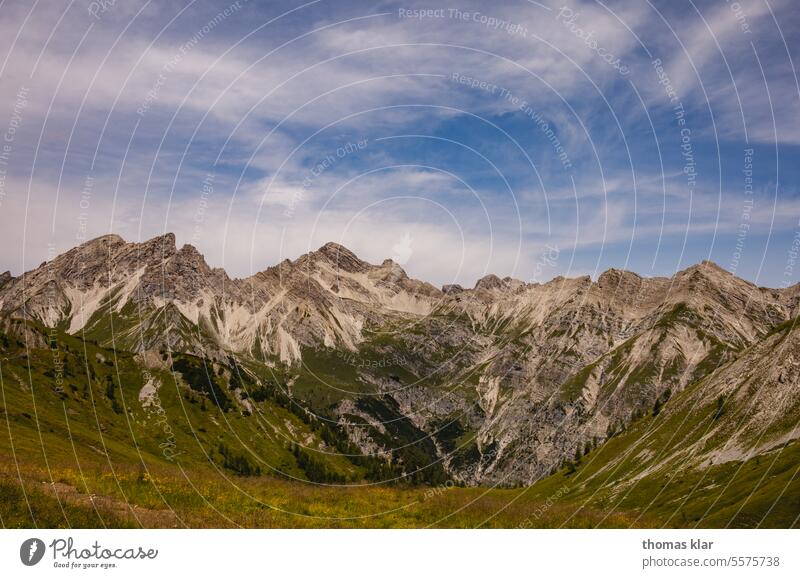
81,447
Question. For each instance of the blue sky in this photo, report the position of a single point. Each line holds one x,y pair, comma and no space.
459,138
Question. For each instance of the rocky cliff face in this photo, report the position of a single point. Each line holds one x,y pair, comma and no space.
498,384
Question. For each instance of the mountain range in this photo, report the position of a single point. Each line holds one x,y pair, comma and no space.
349,371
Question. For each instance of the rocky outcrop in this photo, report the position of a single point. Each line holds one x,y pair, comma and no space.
5,278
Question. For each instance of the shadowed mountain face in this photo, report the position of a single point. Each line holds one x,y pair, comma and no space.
499,384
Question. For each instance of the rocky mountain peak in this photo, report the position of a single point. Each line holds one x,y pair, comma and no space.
393,270
164,245
619,280
709,279
190,254
336,255
492,282
103,240
707,269
489,282
99,246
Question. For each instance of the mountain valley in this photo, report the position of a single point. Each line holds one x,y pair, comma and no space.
653,400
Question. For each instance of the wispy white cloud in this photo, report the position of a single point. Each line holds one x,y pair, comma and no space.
271,104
